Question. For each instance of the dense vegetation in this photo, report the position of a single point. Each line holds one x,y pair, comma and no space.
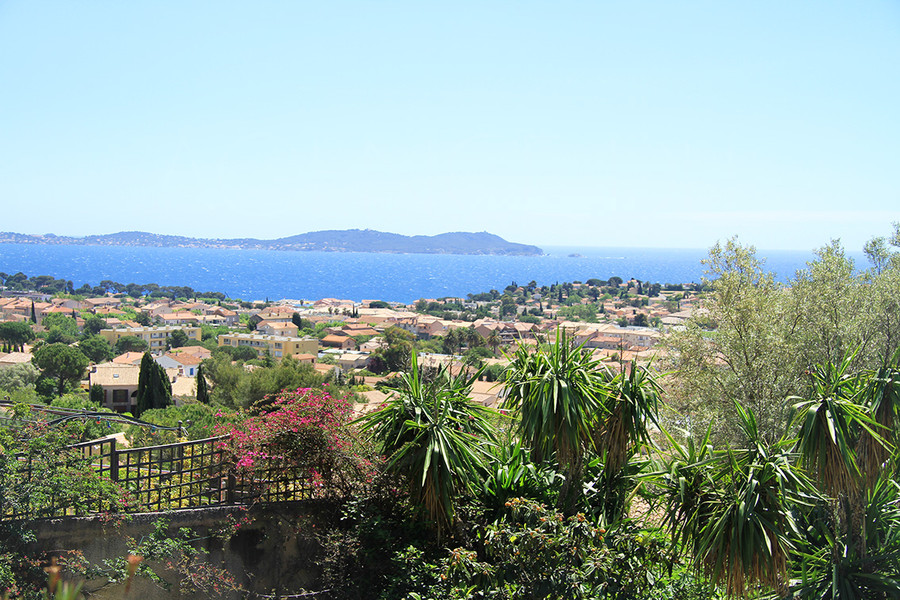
761,461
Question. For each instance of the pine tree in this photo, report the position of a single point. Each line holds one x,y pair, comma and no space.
202,387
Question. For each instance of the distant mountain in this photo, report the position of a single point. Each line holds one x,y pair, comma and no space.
346,240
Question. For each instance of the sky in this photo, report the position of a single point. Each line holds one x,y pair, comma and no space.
636,124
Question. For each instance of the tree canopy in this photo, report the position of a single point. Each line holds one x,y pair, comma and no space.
62,363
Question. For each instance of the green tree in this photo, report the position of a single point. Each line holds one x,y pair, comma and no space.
97,394
62,363
559,394
16,335
451,344
63,323
178,338
96,348
433,436
93,325
398,350
154,389
748,359
130,343
202,388
17,377
494,341
732,509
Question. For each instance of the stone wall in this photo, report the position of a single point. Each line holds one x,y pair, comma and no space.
273,554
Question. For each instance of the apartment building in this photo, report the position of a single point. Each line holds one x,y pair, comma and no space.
155,337
278,346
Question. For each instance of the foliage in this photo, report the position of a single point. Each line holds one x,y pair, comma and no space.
198,420
759,338
84,429
233,386
15,334
202,386
304,433
60,328
558,393
733,509
130,343
434,437
61,362
40,474
96,348
395,354
154,388
93,325
19,376
178,338
535,553
178,552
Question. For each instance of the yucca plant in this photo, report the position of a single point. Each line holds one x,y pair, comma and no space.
829,423
511,474
433,435
686,478
731,509
837,435
632,403
559,394
830,569
881,395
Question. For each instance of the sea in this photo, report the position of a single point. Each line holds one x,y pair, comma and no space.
275,275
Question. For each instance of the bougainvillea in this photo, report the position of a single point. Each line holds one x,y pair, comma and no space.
304,434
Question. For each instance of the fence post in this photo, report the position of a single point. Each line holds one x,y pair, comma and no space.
113,461
230,485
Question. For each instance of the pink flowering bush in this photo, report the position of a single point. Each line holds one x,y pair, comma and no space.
302,435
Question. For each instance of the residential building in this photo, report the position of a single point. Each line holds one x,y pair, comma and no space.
156,337
283,328
119,383
277,346
344,342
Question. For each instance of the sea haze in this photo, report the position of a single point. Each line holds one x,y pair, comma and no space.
260,274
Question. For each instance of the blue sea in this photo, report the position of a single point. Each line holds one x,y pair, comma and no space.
260,274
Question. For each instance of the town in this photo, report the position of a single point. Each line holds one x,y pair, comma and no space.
618,321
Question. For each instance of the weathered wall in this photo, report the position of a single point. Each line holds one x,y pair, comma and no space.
275,553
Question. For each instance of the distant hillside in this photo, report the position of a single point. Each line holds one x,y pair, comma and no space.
348,240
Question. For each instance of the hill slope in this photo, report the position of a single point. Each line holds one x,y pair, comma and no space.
346,240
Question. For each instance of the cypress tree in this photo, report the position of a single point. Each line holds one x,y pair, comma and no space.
97,394
143,391
154,388
33,314
202,388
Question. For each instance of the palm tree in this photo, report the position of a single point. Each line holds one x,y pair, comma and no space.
828,421
559,393
838,442
732,509
633,402
434,436
882,397
494,340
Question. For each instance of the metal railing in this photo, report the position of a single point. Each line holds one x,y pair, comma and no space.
189,474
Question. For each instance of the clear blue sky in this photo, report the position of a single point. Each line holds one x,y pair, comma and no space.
667,124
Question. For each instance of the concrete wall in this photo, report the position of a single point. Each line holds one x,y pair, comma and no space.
274,554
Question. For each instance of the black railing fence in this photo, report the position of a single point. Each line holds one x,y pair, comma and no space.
182,475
